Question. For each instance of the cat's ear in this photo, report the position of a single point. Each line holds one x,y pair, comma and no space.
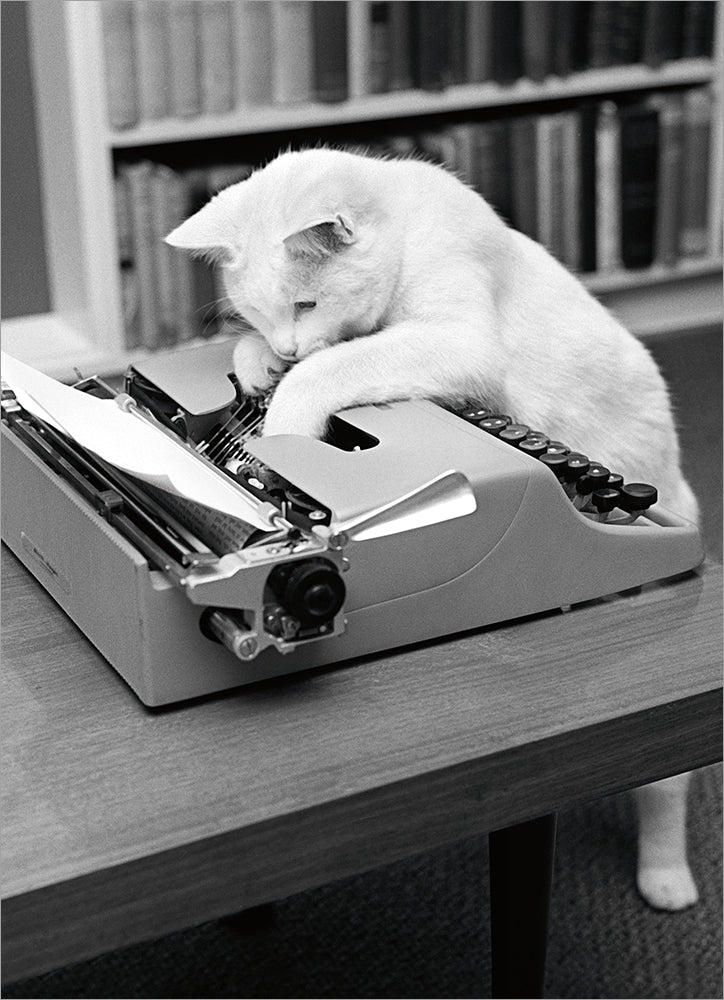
212,232
321,238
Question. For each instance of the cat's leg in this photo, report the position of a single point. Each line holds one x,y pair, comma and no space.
408,360
664,878
256,365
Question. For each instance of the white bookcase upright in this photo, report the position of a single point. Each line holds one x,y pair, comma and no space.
77,147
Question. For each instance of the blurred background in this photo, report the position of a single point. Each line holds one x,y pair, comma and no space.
594,127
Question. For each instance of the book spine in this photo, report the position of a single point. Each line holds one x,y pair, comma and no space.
661,31
400,64
639,164
537,39
693,237
364,18
215,47
524,175
608,171
462,136
479,54
252,48
669,188
571,181
457,13
184,57
151,35
698,29
506,41
601,30
292,66
380,59
165,258
178,208
126,260
140,176
562,44
493,165
329,24
587,203
558,203
579,15
120,58
626,32
203,288
544,180
433,52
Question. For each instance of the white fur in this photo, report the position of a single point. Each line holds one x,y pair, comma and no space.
421,290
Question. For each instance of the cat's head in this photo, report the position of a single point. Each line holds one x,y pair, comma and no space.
303,247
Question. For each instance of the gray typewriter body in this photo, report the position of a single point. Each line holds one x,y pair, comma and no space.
512,544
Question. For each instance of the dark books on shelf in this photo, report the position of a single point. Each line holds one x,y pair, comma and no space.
639,169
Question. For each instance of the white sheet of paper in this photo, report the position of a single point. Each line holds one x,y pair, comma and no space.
126,441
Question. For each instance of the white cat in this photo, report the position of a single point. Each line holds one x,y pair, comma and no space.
367,280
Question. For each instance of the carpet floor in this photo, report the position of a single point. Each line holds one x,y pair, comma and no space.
419,928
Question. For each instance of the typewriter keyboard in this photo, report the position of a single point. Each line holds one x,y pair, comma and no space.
591,486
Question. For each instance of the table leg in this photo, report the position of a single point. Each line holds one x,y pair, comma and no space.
521,873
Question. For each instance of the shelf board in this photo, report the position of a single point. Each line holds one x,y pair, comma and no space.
407,103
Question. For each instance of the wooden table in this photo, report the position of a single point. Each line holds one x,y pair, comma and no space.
123,824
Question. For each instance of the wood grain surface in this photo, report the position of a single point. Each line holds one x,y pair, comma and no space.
122,823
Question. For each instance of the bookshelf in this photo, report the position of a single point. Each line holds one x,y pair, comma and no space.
79,152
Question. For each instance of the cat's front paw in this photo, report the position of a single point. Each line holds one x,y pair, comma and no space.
668,888
257,367
295,413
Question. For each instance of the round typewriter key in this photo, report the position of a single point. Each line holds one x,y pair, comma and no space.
576,465
556,463
615,481
532,446
494,424
513,433
605,499
558,448
596,478
474,415
637,496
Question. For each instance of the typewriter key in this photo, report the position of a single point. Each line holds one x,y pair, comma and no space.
604,500
533,446
636,497
513,433
576,465
558,448
494,424
596,478
556,463
615,481
474,415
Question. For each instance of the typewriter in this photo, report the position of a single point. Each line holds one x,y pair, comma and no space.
410,521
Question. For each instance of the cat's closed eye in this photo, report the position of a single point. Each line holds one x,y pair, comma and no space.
300,307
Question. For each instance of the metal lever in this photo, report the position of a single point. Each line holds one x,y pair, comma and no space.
443,498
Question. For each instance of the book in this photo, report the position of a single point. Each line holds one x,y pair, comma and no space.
430,44
587,202
252,52
506,30
601,26
457,25
166,258
151,40
329,31
203,282
462,137
492,165
661,31
120,58
292,51
215,54
669,188
558,207
698,29
626,32
126,262
560,13
639,170
140,177
400,57
524,175
608,186
364,21
694,230
184,57
571,189
544,180
537,39
379,48
479,53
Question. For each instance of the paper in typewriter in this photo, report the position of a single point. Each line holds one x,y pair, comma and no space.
128,442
